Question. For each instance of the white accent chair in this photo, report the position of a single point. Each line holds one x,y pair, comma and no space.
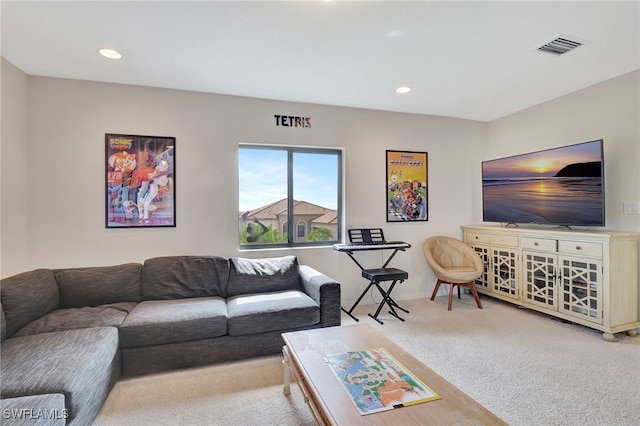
454,263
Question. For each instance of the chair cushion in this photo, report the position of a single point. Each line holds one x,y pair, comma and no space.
111,315
384,274
281,310
250,276
99,285
460,275
28,296
156,322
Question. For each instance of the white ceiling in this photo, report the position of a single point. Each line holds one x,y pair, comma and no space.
474,60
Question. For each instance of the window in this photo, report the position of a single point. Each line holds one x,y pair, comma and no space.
289,196
302,230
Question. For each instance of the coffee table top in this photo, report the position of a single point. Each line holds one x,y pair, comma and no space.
307,349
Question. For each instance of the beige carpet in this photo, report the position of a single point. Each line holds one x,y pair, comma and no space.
525,367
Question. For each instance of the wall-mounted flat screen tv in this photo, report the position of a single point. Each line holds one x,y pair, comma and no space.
558,186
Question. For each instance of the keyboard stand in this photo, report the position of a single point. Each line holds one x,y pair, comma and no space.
375,277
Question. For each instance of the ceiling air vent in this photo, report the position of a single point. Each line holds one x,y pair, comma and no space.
559,46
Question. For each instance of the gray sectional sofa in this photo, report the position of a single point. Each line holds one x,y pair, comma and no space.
69,334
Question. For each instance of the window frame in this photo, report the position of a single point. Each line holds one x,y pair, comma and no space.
290,222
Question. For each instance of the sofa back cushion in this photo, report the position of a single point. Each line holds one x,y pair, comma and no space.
3,325
99,285
175,277
28,296
247,276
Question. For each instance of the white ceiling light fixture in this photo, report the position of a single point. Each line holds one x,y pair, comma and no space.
110,53
403,89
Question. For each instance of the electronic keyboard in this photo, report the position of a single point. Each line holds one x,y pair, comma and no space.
372,245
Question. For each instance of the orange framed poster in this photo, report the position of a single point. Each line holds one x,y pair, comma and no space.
407,186
140,181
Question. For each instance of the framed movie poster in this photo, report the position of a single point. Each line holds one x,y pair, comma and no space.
407,186
140,181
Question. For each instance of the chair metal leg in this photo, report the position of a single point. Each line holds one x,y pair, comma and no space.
386,298
395,305
392,303
357,302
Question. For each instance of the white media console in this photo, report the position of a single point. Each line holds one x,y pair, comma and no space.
587,277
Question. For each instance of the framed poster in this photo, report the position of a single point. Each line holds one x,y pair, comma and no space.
140,181
407,186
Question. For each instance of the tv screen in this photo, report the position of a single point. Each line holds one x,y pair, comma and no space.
560,186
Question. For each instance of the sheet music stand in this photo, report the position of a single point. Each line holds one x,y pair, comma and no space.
373,239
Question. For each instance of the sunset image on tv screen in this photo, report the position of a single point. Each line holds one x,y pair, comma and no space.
557,186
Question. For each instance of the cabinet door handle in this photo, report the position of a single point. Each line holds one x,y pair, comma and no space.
578,248
535,244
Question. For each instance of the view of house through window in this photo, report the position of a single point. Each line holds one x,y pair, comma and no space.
288,196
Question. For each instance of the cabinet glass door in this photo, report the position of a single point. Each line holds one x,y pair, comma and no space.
580,289
504,272
483,282
540,279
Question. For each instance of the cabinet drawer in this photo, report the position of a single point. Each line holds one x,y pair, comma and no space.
580,248
539,244
503,240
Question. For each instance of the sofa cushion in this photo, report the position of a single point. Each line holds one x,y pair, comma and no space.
28,296
77,363
111,315
196,353
156,322
99,285
175,277
249,276
34,410
3,324
281,310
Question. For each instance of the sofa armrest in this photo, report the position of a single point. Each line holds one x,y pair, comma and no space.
325,292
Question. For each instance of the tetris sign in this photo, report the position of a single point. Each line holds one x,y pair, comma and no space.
293,121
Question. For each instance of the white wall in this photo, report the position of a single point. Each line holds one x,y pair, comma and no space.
14,177
609,110
53,209
65,196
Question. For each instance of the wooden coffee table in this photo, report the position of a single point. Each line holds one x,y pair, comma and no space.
330,404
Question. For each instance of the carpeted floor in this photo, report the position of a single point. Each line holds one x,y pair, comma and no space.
527,368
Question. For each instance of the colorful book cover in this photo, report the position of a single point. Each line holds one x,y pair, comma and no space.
376,381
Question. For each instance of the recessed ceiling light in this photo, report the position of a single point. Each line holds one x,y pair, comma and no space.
110,53
395,33
403,89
